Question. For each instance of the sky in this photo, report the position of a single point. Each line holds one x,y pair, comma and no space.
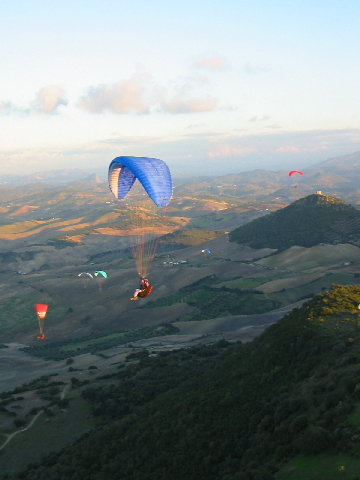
209,87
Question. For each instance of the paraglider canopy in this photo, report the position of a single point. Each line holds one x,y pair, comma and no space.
41,309
295,171
85,273
146,221
100,272
206,250
285,196
153,174
85,277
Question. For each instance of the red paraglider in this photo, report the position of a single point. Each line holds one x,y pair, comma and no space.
41,310
295,171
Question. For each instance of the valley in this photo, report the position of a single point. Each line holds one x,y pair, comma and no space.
92,330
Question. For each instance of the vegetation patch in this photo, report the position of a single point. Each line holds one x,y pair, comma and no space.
191,236
96,343
320,467
213,301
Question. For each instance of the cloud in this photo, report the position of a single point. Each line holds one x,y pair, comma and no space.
140,95
6,108
287,150
123,97
261,119
229,151
187,100
180,104
48,99
211,62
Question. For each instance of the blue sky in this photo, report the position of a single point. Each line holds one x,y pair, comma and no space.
209,87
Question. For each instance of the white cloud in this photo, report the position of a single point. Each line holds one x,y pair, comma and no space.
139,95
123,97
48,99
230,151
211,62
287,150
6,108
259,119
180,104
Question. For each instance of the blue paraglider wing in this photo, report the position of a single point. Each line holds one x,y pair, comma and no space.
153,174
285,196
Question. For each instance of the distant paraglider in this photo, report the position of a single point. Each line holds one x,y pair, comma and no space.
293,172
85,277
285,196
144,212
41,310
206,252
100,276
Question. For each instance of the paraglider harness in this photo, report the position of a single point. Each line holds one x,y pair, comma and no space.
144,290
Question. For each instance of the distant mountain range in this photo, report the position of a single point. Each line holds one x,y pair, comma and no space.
307,222
57,177
340,173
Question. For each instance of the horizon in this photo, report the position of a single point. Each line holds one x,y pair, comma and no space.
176,173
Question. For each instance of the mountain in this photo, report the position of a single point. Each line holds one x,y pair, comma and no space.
57,177
345,163
93,178
307,222
286,402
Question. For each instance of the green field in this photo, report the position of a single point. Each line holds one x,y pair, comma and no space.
321,467
292,295
48,434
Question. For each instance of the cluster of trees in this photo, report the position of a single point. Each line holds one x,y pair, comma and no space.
47,390
307,222
226,411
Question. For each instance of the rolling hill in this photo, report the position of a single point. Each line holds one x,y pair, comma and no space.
307,222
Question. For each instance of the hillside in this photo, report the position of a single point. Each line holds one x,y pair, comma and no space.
287,403
307,222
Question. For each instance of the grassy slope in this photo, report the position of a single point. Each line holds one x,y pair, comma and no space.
240,412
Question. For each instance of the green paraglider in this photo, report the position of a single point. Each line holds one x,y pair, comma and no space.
100,276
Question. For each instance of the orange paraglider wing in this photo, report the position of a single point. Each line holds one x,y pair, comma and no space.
295,171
